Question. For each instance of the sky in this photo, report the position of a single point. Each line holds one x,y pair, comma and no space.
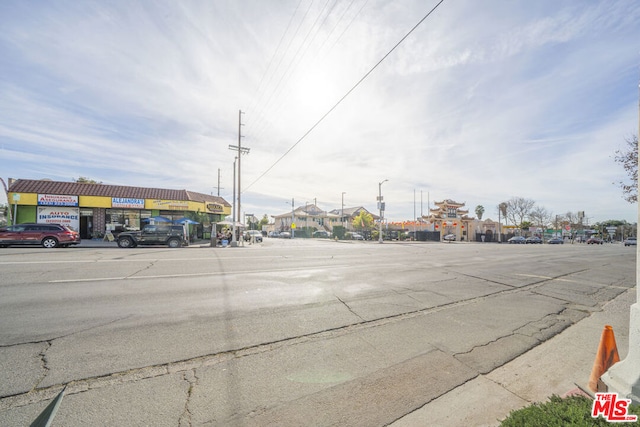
477,101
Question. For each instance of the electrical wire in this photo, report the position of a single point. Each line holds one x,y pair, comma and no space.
344,96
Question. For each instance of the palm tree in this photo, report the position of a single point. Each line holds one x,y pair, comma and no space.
480,211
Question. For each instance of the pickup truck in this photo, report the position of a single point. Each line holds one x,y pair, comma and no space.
160,234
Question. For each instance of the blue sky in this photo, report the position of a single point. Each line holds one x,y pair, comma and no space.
483,102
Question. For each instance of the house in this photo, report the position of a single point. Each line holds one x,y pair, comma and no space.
310,218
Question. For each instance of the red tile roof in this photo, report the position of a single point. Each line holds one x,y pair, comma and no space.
82,189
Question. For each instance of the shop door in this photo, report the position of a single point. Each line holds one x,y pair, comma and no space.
86,227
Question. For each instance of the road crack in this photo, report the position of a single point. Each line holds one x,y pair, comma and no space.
192,380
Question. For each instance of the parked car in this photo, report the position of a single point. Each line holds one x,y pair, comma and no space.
390,235
273,234
257,236
533,239
354,236
450,237
555,241
46,235
155,234
517,239
321,234
285,235
630,241
594,241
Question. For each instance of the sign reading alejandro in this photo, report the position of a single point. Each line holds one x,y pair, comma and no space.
127,203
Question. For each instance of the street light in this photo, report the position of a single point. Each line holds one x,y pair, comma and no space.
381,209
292,219
342,215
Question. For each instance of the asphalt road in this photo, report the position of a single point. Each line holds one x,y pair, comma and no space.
280,333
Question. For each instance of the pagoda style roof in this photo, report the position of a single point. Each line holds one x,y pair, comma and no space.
449,202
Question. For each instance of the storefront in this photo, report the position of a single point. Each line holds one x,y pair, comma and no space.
94,209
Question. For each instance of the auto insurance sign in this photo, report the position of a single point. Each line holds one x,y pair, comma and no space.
59,215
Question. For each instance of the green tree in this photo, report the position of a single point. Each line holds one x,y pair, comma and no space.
364,221
264,221
629,160
85,180
479,211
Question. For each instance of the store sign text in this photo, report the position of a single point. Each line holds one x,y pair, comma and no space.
50,215
175,205
126,203
214,207
57,200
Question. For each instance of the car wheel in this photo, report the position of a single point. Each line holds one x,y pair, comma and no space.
126,242
173,243
49,242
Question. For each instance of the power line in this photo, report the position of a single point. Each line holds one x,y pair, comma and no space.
258,93
345,95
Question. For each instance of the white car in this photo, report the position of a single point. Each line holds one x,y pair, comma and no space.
257,236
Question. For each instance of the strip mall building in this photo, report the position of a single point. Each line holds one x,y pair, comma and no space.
94,209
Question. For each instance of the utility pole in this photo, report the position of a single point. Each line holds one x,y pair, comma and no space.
234,242
218,182
241,150
342,214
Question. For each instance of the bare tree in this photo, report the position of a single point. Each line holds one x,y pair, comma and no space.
572,218
629,161
518,208
540,216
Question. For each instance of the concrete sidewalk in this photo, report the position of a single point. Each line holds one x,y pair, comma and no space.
557,366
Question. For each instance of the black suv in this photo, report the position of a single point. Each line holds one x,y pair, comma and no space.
160,234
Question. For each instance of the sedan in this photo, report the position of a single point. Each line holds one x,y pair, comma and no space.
253,234
450,237
533,239
555,241
517,239
630,241
594,241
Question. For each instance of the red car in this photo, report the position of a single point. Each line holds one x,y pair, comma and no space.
46,235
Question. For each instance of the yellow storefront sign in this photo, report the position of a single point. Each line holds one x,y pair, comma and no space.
171,205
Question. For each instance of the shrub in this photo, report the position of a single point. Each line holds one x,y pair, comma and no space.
558,412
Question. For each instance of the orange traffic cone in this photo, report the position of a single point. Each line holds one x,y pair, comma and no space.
606,357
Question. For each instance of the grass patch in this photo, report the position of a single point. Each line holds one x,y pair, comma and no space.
558,412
